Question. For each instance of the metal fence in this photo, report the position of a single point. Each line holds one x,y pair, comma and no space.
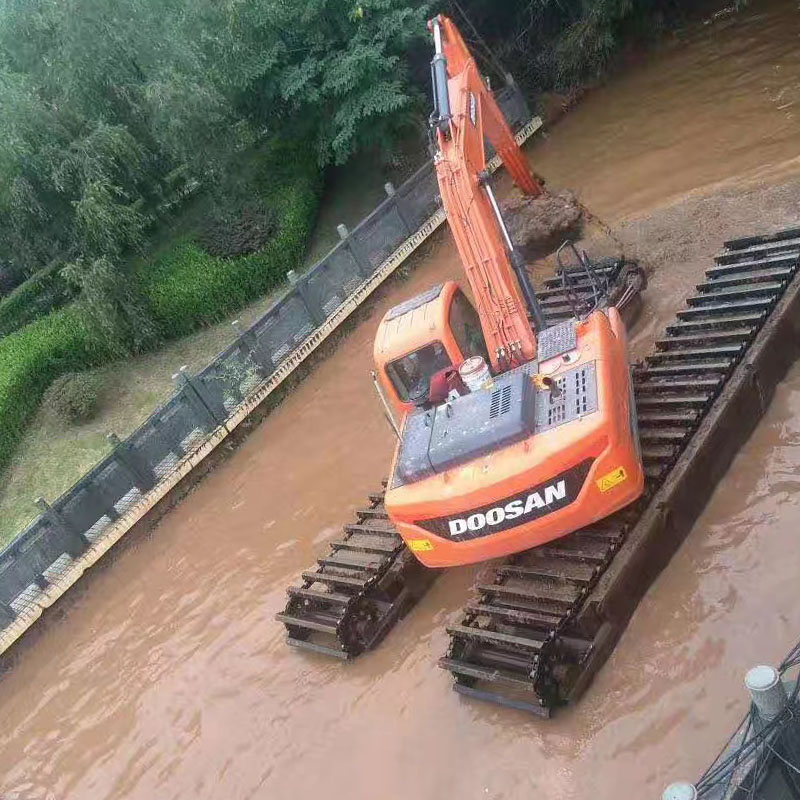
40,563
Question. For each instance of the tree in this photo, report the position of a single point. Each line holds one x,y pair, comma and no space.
556,44
108,111
114,313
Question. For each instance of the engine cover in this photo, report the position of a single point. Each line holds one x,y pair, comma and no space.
480,422
466,428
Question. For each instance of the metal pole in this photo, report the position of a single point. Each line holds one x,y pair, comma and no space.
386,408
682,790
437,37
441,96
517,262
500,221
767,691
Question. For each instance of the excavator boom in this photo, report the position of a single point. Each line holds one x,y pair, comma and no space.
464,113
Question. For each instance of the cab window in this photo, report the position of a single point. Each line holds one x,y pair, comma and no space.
466,327
411,374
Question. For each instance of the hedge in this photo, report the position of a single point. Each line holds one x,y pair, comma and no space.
185,287
31,359
36,297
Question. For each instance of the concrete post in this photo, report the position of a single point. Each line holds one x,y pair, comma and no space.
7,615
770,699
682,790
140,473
362,264
76,541
391,193
767,691
317,314
205,415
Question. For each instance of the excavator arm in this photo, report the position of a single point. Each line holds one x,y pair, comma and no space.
465,112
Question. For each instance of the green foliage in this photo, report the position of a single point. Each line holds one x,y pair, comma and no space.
186,287
239,233
73,397
551,44
111,310
109,111
344,67
39,295
32,358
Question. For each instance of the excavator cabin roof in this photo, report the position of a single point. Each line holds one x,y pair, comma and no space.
414,323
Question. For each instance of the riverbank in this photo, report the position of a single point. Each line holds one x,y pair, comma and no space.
166,674
51,456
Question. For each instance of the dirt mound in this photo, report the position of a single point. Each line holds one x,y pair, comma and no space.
540,224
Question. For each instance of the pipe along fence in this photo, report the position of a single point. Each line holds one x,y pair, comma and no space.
75,530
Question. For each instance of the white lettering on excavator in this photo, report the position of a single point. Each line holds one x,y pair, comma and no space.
512,510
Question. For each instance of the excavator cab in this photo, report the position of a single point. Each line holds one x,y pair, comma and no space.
418,339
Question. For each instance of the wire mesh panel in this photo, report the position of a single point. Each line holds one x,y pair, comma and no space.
419,195
228,380
119,489
16,571
85,509
159,441
283,328
512,104
380,234
332,280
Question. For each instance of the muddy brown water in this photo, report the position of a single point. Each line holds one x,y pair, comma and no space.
166,676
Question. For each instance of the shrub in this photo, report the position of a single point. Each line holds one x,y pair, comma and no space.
30,359
112,308
44,292
186,287
73,396
239,234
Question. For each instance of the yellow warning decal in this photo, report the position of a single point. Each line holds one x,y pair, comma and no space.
612,479
419,544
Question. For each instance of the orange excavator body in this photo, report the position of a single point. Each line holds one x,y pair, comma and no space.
548,443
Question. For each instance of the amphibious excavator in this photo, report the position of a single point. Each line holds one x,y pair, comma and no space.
513,432
523,433
543,440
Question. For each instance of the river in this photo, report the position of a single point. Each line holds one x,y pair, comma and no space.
163,674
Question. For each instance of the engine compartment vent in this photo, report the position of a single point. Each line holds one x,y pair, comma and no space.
500,402
575,396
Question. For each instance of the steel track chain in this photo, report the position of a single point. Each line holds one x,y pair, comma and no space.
520,635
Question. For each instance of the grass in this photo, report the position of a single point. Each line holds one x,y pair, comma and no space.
50,457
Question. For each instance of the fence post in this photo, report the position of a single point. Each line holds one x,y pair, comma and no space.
76,541
682,790
139,472
771,699
362,263
391,193
317,314
193,392
7,615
